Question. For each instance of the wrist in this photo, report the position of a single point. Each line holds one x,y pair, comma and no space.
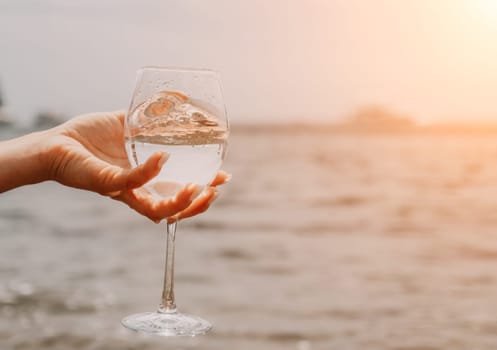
24,160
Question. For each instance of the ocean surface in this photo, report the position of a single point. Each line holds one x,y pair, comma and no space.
320,241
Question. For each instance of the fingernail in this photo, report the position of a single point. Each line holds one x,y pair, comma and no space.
228,177
163,159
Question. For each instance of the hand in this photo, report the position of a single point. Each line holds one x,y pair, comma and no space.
88,152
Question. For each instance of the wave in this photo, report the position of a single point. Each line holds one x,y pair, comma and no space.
342,201
23,298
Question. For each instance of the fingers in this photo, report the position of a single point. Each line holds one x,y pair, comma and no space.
221,178
140,175
185,204
141,201
170,207
199,205
108,180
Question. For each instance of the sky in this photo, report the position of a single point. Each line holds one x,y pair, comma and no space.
279,60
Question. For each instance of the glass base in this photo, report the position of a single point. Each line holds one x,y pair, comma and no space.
167,324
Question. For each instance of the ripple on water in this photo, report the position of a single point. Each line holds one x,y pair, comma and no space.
21,297
17,215
477,253
323,228
233,227
281,337
235,254
342,201
64,340
273,270
191,278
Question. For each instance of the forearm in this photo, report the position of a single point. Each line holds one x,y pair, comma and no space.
22,161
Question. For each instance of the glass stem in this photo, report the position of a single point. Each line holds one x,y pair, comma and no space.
168,305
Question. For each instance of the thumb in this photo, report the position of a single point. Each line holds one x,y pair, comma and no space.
145,172
122,179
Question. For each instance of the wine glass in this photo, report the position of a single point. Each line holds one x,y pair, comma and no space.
181,112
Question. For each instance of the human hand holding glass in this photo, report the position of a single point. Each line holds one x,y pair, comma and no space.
179,112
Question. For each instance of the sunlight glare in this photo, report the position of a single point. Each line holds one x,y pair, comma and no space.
486,10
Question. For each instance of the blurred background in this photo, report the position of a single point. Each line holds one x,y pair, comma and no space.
363,207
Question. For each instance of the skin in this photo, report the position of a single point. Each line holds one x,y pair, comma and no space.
88,153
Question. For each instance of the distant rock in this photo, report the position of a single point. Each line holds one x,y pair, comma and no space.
378,119
45,120
5,121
